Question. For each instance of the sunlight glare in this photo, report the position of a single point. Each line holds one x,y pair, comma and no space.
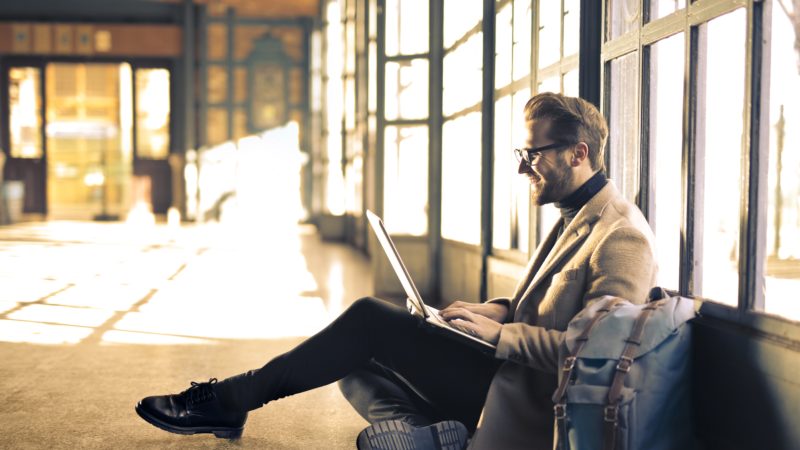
40,333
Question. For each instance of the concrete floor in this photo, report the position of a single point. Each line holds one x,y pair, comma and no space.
95,316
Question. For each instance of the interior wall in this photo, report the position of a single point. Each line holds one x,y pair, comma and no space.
460,272
746,389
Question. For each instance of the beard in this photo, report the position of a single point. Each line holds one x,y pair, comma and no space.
554,186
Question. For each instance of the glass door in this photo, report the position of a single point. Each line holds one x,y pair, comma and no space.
24,169
89,140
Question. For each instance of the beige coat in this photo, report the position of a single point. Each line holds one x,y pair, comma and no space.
606,250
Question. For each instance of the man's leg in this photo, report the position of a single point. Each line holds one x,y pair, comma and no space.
450,375
379,394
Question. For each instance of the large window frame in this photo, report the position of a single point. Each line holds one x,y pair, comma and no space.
457,116
514,240
639,39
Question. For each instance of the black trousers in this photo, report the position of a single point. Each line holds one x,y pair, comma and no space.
388,364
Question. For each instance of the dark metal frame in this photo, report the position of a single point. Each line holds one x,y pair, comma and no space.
688,21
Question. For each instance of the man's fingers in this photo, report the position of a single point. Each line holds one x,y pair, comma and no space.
457,313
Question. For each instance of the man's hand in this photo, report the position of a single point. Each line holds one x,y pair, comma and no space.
478,319
494,311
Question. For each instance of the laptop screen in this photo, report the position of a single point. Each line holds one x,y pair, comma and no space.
397,264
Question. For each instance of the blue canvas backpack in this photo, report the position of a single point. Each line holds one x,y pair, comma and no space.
624,382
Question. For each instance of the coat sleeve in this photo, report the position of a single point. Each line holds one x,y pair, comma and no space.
622,265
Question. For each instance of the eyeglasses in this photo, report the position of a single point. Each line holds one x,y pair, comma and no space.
530,155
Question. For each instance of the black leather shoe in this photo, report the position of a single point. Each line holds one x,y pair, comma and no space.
195,410
399,435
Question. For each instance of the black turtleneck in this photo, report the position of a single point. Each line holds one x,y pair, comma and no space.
573,203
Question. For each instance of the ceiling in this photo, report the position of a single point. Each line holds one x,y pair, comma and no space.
261,8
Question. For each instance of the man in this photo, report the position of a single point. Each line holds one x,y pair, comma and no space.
418,388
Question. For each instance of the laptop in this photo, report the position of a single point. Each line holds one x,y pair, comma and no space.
414,302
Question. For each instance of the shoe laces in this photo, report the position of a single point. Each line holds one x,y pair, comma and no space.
200,392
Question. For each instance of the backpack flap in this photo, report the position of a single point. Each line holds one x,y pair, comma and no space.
608,337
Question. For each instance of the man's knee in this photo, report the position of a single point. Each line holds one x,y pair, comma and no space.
365,307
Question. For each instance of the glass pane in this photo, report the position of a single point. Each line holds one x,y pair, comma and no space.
152,113
782,269
240,85
623,140
216,126
372,82
503,47
406,179
549,33
661,8
572,26
461,174
463,75
25,112
549,85
570,80
217,41
522,186
460,16
505,165
217,84
407,89
89,136
666,146
350,103
623,16
406,27
522,38
718,181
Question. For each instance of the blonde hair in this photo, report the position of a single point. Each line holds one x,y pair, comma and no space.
572,120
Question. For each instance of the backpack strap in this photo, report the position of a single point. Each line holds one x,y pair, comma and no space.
569,364
611,410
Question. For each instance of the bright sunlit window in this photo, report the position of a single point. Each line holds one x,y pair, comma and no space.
461,133
719,158
666,150
511,191
782,265
152,113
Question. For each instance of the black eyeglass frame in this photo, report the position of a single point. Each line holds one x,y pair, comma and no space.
528,155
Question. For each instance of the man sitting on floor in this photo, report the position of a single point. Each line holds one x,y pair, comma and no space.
419,387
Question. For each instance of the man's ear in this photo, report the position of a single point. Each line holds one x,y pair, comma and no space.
579,154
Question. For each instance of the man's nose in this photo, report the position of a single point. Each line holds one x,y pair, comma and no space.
523,168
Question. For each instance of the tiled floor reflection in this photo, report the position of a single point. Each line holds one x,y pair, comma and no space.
188,285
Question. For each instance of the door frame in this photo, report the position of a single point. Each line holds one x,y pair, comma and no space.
14,167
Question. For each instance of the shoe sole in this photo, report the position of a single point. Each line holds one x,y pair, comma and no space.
219,432
399,435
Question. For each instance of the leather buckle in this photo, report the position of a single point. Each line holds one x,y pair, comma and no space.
560,411
624,364
569,363
610,413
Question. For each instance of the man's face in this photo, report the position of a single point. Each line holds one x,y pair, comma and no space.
550,174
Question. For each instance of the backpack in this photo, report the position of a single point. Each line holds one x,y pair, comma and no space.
624,382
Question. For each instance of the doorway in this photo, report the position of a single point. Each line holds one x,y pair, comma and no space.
89,129
88,139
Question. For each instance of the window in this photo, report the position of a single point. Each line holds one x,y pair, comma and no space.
334,101
406,186
782,255
699,129
25,115
720,106
406,142
511,191
666,150
152,113
462,132
623,138
556,70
